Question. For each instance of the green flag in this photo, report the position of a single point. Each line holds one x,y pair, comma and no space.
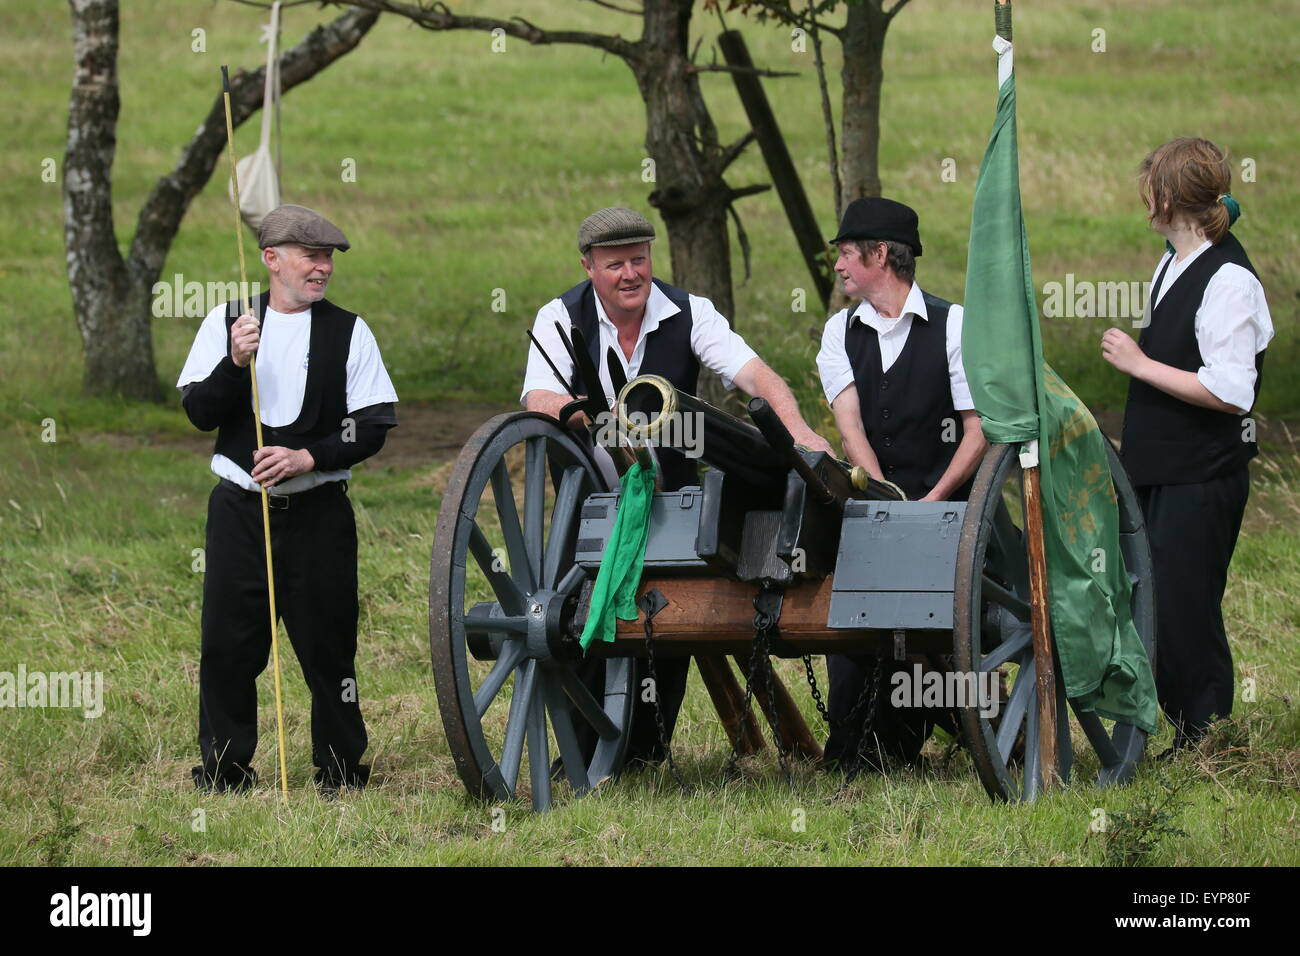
1020,399
614,594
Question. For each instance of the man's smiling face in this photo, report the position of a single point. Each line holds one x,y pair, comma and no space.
301,272
621,276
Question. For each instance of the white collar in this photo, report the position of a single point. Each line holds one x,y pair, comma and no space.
914,304
657,308
1179,265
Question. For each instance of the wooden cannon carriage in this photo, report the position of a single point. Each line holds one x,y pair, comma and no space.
840,568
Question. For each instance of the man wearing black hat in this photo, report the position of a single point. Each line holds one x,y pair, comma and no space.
327,404
891,370
657,329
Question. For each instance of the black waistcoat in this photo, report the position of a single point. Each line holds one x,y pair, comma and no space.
907,412
668,353
325,400
1167,441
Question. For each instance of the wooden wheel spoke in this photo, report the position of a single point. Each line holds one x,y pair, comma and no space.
1013,646
1095,731
512,753
508,594
511,654
1013,556
508,514
567,497
575,768
586,704
569,583
1033,770
539,757
1014,715
534,505
1001,596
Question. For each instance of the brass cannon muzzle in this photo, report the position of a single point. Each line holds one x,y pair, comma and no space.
652,401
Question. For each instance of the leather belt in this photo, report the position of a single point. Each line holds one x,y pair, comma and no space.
279,502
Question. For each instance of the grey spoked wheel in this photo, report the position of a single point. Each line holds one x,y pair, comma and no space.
991,635
503,590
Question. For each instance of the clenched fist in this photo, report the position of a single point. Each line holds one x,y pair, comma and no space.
245,333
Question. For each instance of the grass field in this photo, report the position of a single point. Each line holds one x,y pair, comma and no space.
473,170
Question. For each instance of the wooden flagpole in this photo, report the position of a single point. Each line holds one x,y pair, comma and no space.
1040,615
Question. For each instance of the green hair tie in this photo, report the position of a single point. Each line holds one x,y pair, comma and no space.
1234,213
1234,208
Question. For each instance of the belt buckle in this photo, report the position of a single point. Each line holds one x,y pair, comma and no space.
279,502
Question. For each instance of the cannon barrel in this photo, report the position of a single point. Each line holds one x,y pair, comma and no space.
649,407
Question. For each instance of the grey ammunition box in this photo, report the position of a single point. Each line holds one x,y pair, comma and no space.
674,527
896,565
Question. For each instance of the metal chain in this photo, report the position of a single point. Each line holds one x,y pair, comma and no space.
729,770
660,725
768,677
864,708
760,653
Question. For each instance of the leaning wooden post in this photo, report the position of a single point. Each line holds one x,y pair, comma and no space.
1040,613
803,223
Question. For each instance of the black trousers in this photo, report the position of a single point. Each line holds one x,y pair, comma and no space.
895,736
1193,530
314,547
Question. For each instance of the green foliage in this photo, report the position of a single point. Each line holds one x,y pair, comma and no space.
56,843
1135,834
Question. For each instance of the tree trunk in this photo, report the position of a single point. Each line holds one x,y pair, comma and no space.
862,76
863,42
111,296
112,312
691,194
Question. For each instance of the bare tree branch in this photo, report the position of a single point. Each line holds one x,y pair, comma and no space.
437,16
732,152
611,6
267,6
727,68
742,191
161,215
788,14
893,11
828,116
742,237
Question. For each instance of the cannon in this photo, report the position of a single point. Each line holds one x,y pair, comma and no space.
777,551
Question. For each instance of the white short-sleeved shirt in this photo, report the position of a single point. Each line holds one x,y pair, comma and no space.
837,371
1232,326
715,344
282,355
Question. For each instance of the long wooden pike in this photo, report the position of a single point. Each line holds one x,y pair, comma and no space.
257,423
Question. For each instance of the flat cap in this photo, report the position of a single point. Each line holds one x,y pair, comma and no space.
613,226
304,226
878,218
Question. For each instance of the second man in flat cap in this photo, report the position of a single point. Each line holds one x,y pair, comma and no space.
656,329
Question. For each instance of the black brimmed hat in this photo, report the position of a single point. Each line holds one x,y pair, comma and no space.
878,218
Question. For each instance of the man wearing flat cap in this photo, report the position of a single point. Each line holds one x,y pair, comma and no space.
327,404
891,369
656,329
